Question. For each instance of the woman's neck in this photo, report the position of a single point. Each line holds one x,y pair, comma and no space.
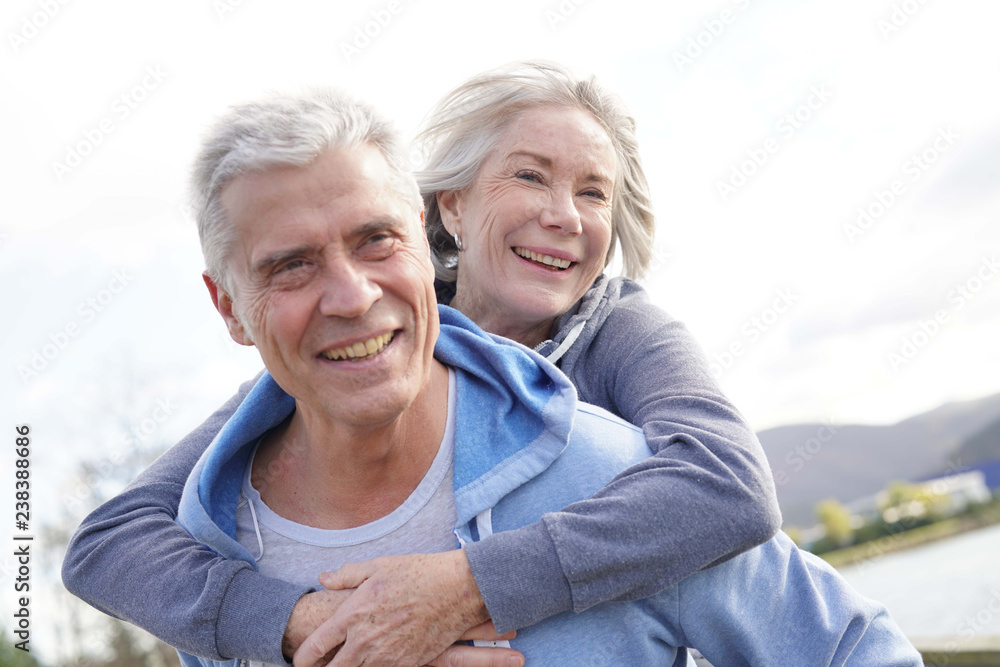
529,334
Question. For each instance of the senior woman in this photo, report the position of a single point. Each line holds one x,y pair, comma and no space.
532,180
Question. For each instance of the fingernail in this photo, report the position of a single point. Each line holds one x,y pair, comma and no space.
515,662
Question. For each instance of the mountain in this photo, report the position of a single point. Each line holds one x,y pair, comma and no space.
812,462
982,446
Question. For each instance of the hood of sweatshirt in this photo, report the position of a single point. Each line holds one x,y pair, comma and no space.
580,323
514,413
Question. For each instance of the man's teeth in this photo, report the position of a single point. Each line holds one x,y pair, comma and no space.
543,259
360,350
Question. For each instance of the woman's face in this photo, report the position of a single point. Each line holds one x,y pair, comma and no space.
536,223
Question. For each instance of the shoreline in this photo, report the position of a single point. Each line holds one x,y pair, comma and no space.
909,539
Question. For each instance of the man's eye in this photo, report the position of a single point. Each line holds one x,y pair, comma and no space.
378,246
292,265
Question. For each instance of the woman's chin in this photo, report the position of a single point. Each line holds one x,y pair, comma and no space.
527,306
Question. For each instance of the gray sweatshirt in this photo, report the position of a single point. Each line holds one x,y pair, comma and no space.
706,496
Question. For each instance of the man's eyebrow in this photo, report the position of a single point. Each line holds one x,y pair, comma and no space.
379,224
263,265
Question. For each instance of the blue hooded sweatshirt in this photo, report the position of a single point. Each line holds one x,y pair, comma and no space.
773,605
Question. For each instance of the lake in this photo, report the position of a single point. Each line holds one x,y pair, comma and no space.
947,588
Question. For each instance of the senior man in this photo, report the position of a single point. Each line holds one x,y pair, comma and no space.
365,436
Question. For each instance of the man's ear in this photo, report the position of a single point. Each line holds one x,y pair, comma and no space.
450,207
224,304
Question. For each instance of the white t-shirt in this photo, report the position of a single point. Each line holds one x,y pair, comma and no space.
287,550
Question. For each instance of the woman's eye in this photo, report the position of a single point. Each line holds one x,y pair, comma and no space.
596,194
529,176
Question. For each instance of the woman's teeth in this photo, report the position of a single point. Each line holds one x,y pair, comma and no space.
547,260
360,351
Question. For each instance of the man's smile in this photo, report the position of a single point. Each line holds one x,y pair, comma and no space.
361,350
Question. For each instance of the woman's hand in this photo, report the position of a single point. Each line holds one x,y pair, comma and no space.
406,610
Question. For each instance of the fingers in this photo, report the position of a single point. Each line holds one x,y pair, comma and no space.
350,575
472,656
322,641
486,631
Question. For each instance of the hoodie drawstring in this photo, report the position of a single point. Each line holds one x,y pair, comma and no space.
567,343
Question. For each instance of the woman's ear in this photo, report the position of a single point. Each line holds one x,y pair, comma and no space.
450,207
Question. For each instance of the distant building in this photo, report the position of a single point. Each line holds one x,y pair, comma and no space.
990,470
955,491
960,490
952,493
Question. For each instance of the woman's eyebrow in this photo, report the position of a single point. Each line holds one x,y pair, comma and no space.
541,159
547,162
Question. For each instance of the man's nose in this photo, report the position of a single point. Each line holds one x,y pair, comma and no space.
347,291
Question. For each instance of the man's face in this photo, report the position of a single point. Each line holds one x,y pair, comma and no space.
333,283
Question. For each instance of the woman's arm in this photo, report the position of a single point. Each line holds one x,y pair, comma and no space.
706,496
131,560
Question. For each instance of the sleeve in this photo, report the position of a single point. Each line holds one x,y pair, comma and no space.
130,559
778,605
705,496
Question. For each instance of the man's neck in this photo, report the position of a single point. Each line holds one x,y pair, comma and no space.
322,473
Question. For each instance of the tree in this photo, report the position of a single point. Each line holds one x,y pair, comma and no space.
914,503
123,427
836,521
12,657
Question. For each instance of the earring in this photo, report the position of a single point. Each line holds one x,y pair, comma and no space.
458,242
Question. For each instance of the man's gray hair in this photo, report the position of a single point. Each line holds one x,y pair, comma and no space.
465,127
283,130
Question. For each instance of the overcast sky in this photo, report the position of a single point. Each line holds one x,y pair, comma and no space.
824,174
